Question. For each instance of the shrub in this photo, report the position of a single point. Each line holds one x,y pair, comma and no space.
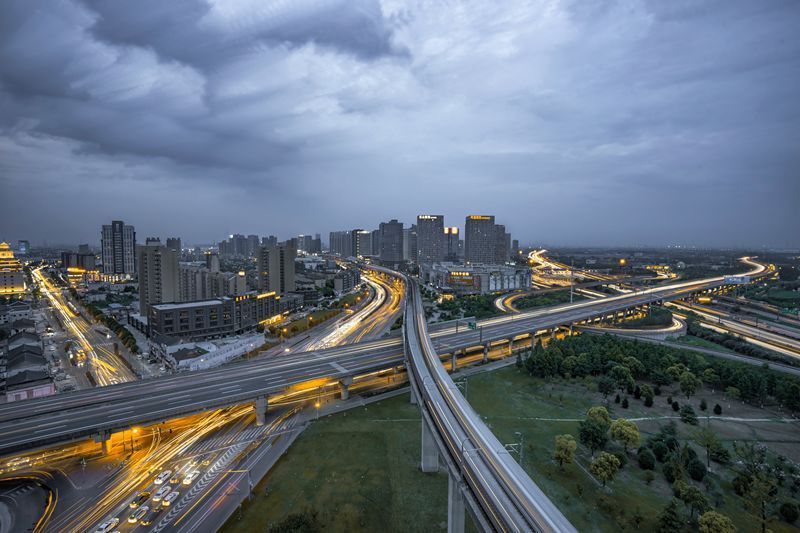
648,402
649,477
669,399
703,404
657,390
687,414
616,399
660,450
789,512
672,471
697,470
717,410
647,459
720,455
622,458
671,442
675,406
637,392
625,402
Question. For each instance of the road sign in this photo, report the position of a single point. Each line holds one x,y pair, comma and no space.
472,325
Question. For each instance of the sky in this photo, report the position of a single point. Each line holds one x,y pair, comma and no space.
582,122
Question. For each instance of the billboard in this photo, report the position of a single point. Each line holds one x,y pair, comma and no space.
736,280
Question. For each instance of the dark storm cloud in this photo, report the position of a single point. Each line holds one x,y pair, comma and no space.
578,122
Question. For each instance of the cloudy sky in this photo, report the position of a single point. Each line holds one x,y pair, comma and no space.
574,122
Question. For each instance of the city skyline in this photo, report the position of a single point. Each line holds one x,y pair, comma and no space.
601,120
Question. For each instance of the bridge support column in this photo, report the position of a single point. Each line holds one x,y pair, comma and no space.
510,345
261,410
105,439
486,353
412,397
571,325
430,455
455,506
345,383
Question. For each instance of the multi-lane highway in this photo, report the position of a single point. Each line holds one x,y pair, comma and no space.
85,413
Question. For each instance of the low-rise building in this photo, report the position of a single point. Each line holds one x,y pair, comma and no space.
14,311
346,280
476,279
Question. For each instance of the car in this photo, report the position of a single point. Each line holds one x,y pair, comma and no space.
169,498
205,462
160,493
107,526
163,476
139,499
138,514
191,477
175,478
151,516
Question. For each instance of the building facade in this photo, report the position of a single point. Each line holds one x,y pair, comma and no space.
391,241
158,275
476,279
118,249
451,247
430,238
480,239
340,243
12,278
276,268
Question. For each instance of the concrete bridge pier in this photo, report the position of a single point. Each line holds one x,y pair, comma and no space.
104,437
510,345
455,506
412,397
345,383
486,353
430,455
261,410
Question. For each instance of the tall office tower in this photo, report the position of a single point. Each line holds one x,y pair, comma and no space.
391,236
501,247
119,248
212,261
253,242
174,243
514,249
305,243
276,267
158,275
410,244
269,241
316,244
480,237
430,238
23,246
361,240
450,244
341,244
84,249
376,242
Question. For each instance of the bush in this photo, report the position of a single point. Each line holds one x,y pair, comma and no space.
672,443
622,458
697,470
625,402
687,414
637,392
657,390
703,405
675,406
672,471
669,399
789,512
616,399
648,402
720,455
717,409
647,459
660,450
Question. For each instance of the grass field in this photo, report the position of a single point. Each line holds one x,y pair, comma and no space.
691,340
541,410
359,470
314,318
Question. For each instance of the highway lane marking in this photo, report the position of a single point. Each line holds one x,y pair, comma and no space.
338,367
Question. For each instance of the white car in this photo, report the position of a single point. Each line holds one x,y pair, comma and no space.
191,477
169,498
160,493
138,514
163,476
107,526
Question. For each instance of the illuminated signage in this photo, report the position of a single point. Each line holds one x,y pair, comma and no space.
479,217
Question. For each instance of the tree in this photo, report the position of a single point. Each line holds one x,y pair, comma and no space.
789,512
625,402
565,449
693,498
307,522
647,392
593,434
599,413
689,383
714,522
626,433
648,401
604,467
670,519
706,438
760,495
675,406
616,398
622,376
605,386
703,404
647,459
696,469
717,409
688,415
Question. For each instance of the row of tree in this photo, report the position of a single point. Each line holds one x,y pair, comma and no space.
111,323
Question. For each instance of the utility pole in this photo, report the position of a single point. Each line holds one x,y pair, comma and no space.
571,276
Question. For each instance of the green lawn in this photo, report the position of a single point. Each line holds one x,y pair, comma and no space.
314,318
691,340
359,470
541,410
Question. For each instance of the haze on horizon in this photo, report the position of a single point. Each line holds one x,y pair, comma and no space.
574,122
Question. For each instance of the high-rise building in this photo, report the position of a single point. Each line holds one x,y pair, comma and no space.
502,244
253,242
276,268
430,238
269,241
361,242
23,247
12,278
158,275
391,237
174,243
212,261
410,244
341,243
119,248
84,249
71,260
514,249
376,242
197,282
480,238
451,244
